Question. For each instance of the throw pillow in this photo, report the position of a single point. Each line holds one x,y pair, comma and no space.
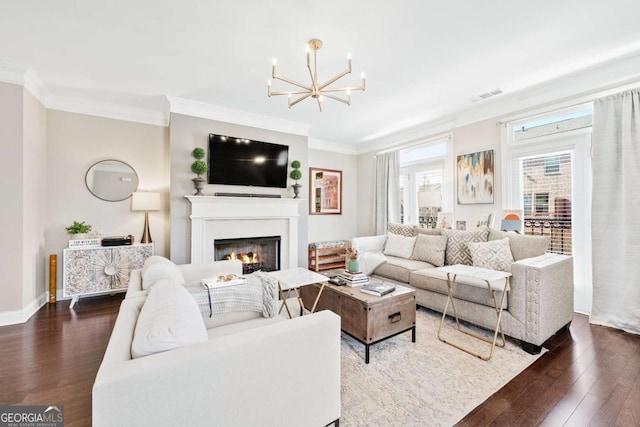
169,318
494,254
401,229
158,271
399,246
430,249
457,250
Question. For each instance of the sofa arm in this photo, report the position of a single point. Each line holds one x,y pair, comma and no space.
541,295
283,374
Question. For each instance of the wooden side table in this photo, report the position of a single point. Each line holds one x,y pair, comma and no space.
495,281
327,255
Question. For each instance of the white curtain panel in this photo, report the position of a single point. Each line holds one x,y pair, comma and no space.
616,211
386,200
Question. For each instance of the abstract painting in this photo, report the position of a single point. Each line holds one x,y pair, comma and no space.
475,173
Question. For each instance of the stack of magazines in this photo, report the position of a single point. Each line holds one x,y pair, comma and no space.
378,289
353,279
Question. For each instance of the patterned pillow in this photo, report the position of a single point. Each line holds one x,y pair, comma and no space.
401,229
430,249
457,250
494,254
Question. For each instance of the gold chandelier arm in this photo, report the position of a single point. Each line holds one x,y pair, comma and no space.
319,103
345,101
291,104
338,77
314,84
289,92
293,82
343,89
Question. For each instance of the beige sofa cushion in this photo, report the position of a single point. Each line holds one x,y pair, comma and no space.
522,246
399,268
457,250
494,254
430,249
169,318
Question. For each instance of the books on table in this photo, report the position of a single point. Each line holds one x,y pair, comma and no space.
378,289
353,279
223,281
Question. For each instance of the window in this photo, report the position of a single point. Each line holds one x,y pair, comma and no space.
421,182
552,165
542,203
527,204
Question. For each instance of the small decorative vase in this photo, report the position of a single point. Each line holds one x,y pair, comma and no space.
353,266
199,185
296,190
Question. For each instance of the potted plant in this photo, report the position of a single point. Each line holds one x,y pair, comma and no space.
78,230
199,167
296,175
353,266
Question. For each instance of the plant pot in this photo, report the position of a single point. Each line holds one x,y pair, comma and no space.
296,190
79,236
199,183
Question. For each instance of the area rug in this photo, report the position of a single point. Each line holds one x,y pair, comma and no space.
423,383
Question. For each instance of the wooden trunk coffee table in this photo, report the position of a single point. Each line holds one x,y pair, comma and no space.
367,318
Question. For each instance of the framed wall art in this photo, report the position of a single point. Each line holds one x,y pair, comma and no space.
325,192
475,173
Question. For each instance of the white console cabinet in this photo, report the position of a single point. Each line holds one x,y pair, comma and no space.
103,270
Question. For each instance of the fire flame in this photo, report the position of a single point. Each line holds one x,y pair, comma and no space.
249,258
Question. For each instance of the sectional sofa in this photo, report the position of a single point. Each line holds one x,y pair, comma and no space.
166,366
541,298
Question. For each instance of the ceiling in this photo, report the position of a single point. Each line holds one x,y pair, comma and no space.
424,59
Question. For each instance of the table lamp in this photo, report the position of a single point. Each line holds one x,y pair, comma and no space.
145,201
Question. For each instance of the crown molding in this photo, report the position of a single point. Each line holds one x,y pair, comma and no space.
324,145
107,110
215,112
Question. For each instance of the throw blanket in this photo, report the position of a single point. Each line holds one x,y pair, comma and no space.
259,295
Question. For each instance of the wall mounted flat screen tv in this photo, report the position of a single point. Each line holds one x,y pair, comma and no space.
239,161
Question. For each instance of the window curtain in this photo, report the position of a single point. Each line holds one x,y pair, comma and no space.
386,201
616,211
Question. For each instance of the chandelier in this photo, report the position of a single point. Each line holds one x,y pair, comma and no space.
315,90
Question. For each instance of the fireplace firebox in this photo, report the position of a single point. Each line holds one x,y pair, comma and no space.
256,253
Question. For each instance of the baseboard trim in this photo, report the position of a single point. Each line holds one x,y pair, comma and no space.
20,316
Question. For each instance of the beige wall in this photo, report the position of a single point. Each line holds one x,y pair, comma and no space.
34,175
187,133
74,143
12,196
334,227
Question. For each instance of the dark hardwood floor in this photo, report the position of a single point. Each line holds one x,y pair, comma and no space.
590,376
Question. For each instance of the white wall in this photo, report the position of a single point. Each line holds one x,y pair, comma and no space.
480,136
187,133
334,227
77,141
34,176
11,194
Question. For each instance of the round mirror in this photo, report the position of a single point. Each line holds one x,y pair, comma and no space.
111,180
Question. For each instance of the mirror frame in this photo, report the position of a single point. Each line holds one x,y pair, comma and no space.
86,179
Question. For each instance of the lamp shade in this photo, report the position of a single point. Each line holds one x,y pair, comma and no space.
429,199
145,201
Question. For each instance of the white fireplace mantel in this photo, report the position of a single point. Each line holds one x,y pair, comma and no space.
216,217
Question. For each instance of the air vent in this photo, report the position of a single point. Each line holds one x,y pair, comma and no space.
486,95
